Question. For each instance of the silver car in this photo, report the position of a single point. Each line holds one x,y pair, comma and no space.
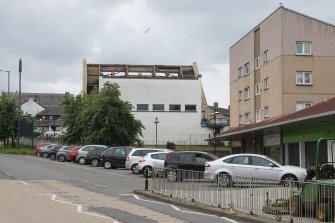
135,155
150,161
80,158
232,168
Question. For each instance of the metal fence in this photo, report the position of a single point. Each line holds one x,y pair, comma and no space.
278,200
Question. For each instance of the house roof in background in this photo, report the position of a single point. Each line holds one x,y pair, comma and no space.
51,111
44,99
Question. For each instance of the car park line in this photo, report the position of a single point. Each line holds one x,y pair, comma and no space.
79,207
91,169
21,181
178,209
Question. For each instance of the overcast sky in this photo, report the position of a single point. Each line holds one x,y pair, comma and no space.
52,37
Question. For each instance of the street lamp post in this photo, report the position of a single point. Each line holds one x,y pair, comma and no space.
156,123
19,124
214,127
8,72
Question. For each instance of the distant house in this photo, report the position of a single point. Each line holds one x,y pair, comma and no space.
45,108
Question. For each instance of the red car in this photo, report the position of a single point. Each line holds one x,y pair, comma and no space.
73,153
39,147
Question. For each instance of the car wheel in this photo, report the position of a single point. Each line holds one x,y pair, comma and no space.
107,164
288,180
171,175
61,158
53,156
95,162
147,171
45,155
81,161
134,169
323,212
224,180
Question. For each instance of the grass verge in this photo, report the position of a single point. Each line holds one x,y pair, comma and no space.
21,151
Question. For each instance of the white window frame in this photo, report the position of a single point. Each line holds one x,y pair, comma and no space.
257,63
246,93
258,116
247,118
266,111
304,104
246,68
257,89
240,119
304,44
240,95
240,72
303,74
266,56
266,83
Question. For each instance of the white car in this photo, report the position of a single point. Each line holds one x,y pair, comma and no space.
135,155
241,167
150,161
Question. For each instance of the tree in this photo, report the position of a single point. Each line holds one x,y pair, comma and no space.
100,118
9,116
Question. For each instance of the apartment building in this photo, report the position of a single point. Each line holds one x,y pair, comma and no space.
282,65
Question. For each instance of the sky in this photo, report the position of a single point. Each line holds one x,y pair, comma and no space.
52,37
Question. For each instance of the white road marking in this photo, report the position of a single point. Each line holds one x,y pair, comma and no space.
86,168
21,181
79,208
176,208
97,185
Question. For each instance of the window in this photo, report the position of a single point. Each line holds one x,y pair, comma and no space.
266,112
303,78
247,118
240,72
247,93
158,107
304,48
257,64
266,83
142,107
186,157
246,68
190,108
174,107
240,119
240,95
257,89
302,105
242,160
258,161
266,56
258,116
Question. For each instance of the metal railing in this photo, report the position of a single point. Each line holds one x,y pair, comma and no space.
284,201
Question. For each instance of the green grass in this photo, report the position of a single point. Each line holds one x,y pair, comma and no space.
21,151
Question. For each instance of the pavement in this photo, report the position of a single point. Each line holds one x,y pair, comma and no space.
223,212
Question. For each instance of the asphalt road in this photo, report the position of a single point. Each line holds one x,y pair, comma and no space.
56,191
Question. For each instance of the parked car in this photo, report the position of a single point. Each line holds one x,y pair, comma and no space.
135,155
232,168
73,153
44,150
40,146
63,153
178,164
115,157
80,157
151,160
52,152
93,156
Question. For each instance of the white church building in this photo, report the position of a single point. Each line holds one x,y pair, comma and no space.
168,100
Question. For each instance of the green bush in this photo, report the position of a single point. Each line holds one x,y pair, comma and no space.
170,145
